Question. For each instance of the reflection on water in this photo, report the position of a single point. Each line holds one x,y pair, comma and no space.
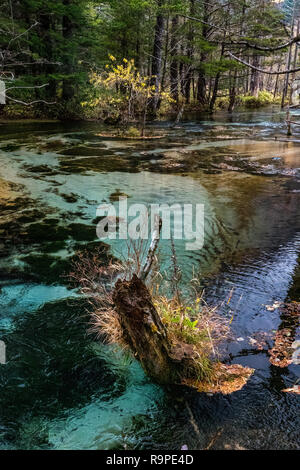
60,389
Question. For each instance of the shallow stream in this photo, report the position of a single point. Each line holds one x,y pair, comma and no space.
60,389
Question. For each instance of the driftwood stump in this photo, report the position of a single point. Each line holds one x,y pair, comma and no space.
146,334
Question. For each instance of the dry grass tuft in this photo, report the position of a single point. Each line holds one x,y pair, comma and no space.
96,283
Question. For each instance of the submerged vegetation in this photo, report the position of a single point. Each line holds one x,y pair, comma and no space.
72,391
167,56
115,364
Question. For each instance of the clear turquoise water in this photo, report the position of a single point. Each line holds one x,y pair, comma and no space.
61,389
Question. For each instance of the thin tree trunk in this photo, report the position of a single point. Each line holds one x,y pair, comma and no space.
68,27
289,60
201,91
216,84
232,92
190,53
254,81
156,71
174,60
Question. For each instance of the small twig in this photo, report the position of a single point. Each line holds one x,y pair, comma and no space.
214,439
22,34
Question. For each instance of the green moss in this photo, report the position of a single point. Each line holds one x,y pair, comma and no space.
264,98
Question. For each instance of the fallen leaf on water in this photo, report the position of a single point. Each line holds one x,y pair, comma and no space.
294,389
285,350
273,307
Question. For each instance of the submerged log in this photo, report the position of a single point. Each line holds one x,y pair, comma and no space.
143,329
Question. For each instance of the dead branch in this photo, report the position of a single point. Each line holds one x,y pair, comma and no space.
257,47
293,122
31,102
152,249
269,72
264,48
23,33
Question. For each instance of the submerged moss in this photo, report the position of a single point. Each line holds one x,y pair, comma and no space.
82,232
48,230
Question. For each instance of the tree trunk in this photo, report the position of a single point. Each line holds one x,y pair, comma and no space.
289,60
232,93
67,25
165,60
254,81
174,60
156,71
201,92
147,336
190,53
216,84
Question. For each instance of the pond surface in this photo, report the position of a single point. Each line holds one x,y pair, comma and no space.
60,389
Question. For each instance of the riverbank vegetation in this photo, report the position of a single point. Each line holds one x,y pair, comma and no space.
168,56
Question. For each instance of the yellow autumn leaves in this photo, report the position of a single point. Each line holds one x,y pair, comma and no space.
127,76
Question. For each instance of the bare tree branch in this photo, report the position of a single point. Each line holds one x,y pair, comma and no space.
31,102
22,34
27,87
265,48
269,72
246,43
